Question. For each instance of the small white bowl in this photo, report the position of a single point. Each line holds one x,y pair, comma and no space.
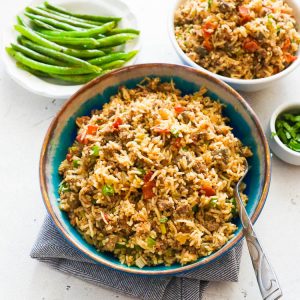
50,88
247,85
278,147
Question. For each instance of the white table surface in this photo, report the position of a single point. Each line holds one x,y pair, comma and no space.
24,119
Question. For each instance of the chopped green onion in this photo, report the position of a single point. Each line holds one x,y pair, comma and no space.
137,247
120,246
174,132
163,228
234,208
185,148
141,171
209,4
163,220
63,187
76,163
294,145
151,242
95,150
195,208
213,202
108,190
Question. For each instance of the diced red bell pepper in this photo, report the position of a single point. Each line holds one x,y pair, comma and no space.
179,109
208,29
69,157
208,190
208,45
286,45
148,186
161,131
81,138
92,129
177,142
250,45
244,13
289,58
117,123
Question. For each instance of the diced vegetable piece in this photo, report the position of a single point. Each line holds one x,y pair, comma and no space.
108,190
294,145
148,186
95,150
244,13
63,187
117,123
207,190
163,228
69,157
289,58
174,132
251,45
141,171
179,109
92,129
151,242
163,220
76,163
213,202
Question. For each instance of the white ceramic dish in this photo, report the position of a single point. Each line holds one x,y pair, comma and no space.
49,88
239,84
277,147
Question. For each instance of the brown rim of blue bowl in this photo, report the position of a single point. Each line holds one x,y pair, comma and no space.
185,268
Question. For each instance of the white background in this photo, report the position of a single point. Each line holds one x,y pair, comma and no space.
24,119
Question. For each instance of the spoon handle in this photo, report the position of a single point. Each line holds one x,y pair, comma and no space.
265,275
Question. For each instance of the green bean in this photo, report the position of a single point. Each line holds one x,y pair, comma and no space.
45,67
20,21
67,20
71,17
59,55
33,36
37,56
84,33
81,16
77,79
45,25
123,30
113,64
86,42
112,57
52,22
116,39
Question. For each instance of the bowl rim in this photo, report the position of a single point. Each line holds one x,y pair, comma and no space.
278,111
103,261
39,86
229,80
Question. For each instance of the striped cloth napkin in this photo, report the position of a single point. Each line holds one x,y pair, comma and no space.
51,248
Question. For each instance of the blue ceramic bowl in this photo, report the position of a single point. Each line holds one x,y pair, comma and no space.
93,95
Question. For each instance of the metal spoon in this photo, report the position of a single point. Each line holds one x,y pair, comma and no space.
265,275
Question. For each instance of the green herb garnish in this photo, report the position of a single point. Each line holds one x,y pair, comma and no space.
288,130
95,150
76,163
163,220
63,187
213,202
209,4
141,171
151,242
174,132
108,190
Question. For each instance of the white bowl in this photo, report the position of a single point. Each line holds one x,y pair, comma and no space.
50,88
247,85
278,147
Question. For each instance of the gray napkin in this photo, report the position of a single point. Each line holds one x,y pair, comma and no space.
51,248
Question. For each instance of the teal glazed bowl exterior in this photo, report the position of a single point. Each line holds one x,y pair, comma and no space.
93,95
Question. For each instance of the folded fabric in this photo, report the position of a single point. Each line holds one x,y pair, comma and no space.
52,248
